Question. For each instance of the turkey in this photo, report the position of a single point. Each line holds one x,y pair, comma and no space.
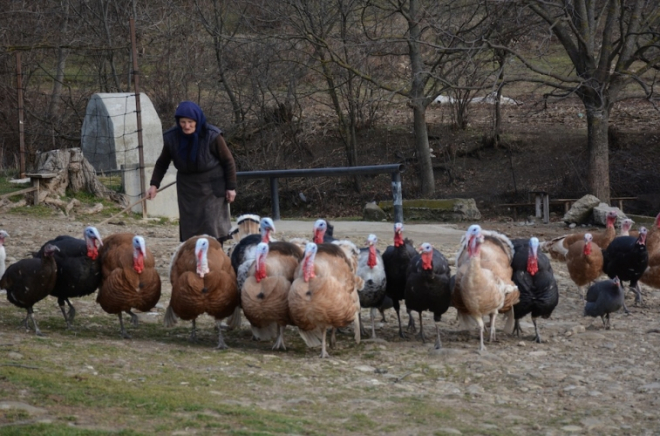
265,293
203,281
3,254
627,258
652,236
395,260
603,298
323,232
324,294
584,262
427,287
532,273
558,247
246,224
29,281
371,270
243,253
626,225
130,280
78,268
483,284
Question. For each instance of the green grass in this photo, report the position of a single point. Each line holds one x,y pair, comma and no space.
6,187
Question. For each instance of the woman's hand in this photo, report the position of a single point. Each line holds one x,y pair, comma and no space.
151,193
230,196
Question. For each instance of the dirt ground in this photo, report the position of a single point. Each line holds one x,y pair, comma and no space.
581,380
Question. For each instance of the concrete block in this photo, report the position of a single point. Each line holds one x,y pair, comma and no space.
164,205
109,131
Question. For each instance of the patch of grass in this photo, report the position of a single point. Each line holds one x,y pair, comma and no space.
38,211
111,182
6,187
60,430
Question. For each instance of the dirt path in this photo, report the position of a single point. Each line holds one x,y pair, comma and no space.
582,380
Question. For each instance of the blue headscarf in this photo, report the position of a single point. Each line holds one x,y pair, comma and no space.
189,144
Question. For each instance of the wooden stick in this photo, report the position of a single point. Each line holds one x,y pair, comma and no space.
130,206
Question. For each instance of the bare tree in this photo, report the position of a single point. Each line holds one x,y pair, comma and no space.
331,29
613,46
439,41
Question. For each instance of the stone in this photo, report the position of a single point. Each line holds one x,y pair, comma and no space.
372,212
32,410
451,209
447,430
650,387
581,211
599,215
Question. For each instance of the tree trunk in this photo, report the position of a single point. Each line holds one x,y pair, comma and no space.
423,151
417,101
598,148
73,172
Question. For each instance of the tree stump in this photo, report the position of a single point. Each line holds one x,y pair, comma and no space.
75,173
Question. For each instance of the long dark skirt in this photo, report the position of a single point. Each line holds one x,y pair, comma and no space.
202,205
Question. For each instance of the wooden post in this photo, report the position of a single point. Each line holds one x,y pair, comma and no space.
138,113
546,208
537,201
21,127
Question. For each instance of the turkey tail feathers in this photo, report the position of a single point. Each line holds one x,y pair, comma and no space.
234,321
312,338
170,317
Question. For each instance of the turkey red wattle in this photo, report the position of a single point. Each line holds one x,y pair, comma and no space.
318,236
308,267
587,248
138,261
371,260
92,250
260,268
427,260
532,263
398,239
202,263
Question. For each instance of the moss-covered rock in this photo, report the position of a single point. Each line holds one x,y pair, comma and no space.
372,212
449,209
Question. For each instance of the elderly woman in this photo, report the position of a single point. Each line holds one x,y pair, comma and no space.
206,173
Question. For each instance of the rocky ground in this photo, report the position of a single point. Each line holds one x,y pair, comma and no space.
581,380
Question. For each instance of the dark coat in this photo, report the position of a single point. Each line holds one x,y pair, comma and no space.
201,184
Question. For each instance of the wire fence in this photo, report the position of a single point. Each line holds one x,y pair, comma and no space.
49,105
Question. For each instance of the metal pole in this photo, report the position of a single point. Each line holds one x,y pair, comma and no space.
274,198
21,128
138,113
397,197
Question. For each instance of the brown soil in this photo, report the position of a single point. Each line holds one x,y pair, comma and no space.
581,380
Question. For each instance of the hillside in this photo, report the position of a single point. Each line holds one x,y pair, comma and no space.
544,149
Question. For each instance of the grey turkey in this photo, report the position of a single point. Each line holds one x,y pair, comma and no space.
427,287
371,269
78,268
29,281
533,275
603,298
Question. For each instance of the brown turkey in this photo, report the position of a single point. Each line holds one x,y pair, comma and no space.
203,281
130,280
